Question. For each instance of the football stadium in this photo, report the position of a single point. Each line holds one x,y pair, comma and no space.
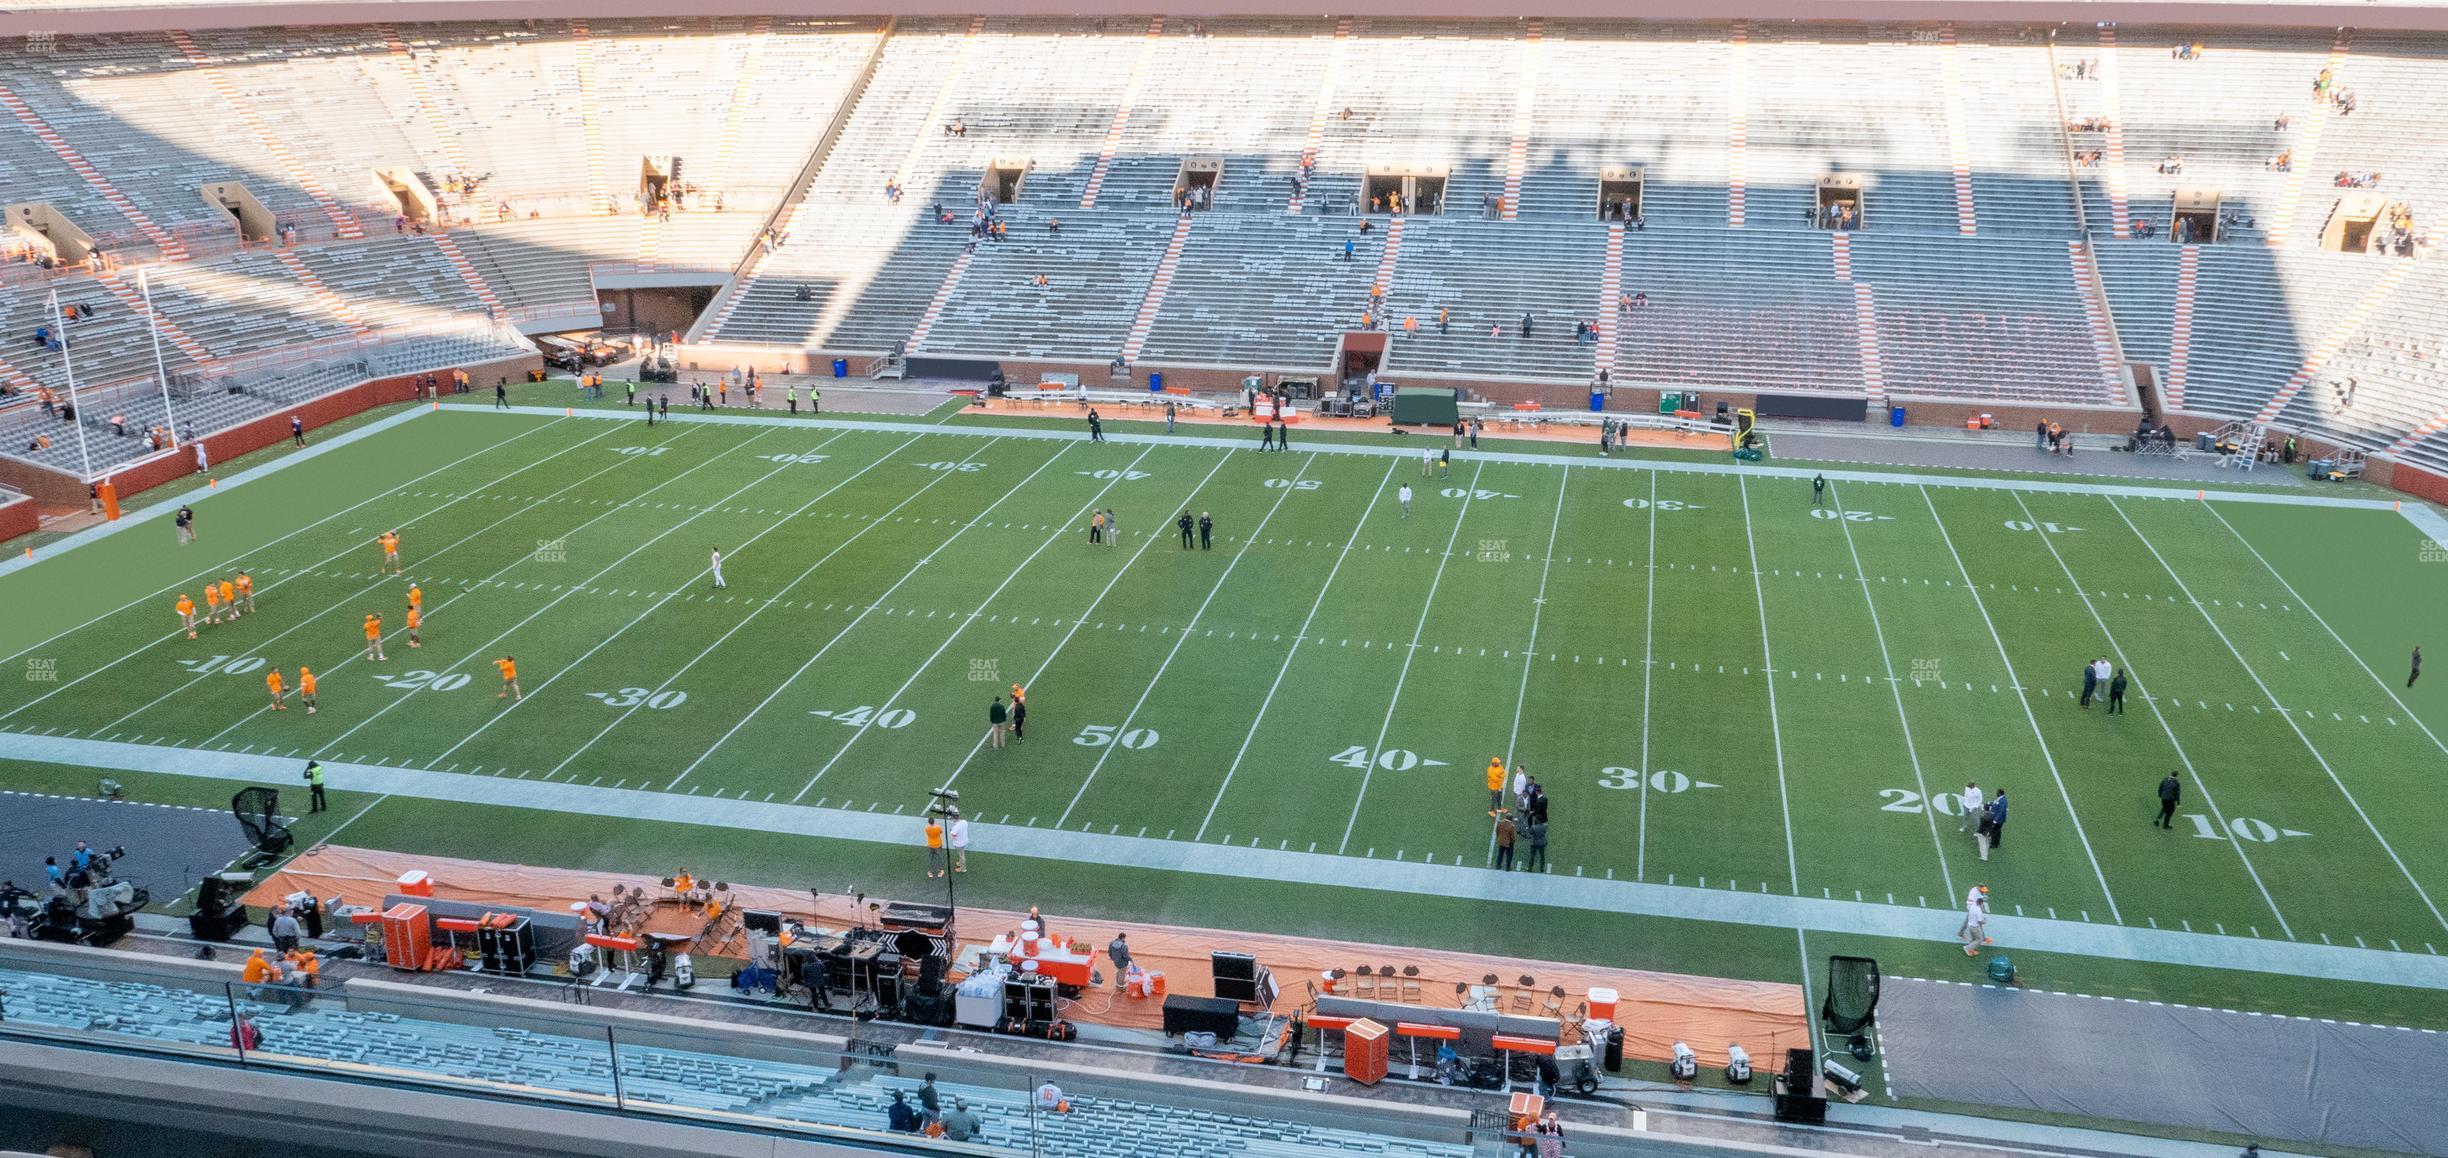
1256,580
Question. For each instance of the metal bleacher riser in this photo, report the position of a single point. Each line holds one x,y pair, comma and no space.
1946,126
326,1030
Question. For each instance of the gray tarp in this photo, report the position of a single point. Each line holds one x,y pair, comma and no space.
2264,1077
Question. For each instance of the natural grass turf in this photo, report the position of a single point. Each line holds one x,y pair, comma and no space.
859,581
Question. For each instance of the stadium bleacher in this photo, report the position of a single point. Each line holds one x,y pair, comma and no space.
514,1060
1968,274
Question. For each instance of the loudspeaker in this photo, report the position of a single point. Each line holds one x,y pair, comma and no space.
760,921
1795,1102
1234,967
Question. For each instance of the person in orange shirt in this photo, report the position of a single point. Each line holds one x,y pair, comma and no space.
212,602
373,630
509,669
272,683
390,546
246,591
229,599
1496,785
306,688
186,612
416,619
416,597
935,848
258,971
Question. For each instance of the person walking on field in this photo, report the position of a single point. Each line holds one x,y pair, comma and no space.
717,565
996,718
1019,718
1506,830
1538,845
1096,527
1113,529
957,835
2170,792
2116,694
2090,684
1403,496
1993,830
1973,808
1975,930
2411,676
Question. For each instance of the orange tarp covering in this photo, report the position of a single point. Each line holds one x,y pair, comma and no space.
1656,1009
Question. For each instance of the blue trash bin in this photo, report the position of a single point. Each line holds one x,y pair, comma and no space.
1155,382
1895,416
841,367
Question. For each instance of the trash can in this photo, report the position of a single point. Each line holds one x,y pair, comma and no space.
2320,469
1895,416
1155,381
841,367
1597,400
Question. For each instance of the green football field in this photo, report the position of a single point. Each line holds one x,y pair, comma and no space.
1727,690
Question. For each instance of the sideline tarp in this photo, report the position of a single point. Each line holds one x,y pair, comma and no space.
1657,1009
2259,1076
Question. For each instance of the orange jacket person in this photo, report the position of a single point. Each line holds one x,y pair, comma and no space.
272,683
246,591
306,688
229,598
416,619
1496,785
373,630
416,597
212,602
186,613
509,670
390,546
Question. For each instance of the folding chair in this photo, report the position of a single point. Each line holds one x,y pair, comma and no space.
1521,993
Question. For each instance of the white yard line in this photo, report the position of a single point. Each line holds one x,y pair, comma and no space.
1896,688
1297,637
232,563
1183,637
1366,774
174,633
1640,858
1776,732
1060,532
486,647
1081,619
360,594
2300,601
2183,589
802,577
2209,801
861,617
1538,605
2033,718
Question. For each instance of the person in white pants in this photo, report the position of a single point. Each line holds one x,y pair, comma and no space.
1972,808
718,579
1975,930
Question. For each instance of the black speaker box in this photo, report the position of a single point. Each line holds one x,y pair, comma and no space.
760,921
1234,967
